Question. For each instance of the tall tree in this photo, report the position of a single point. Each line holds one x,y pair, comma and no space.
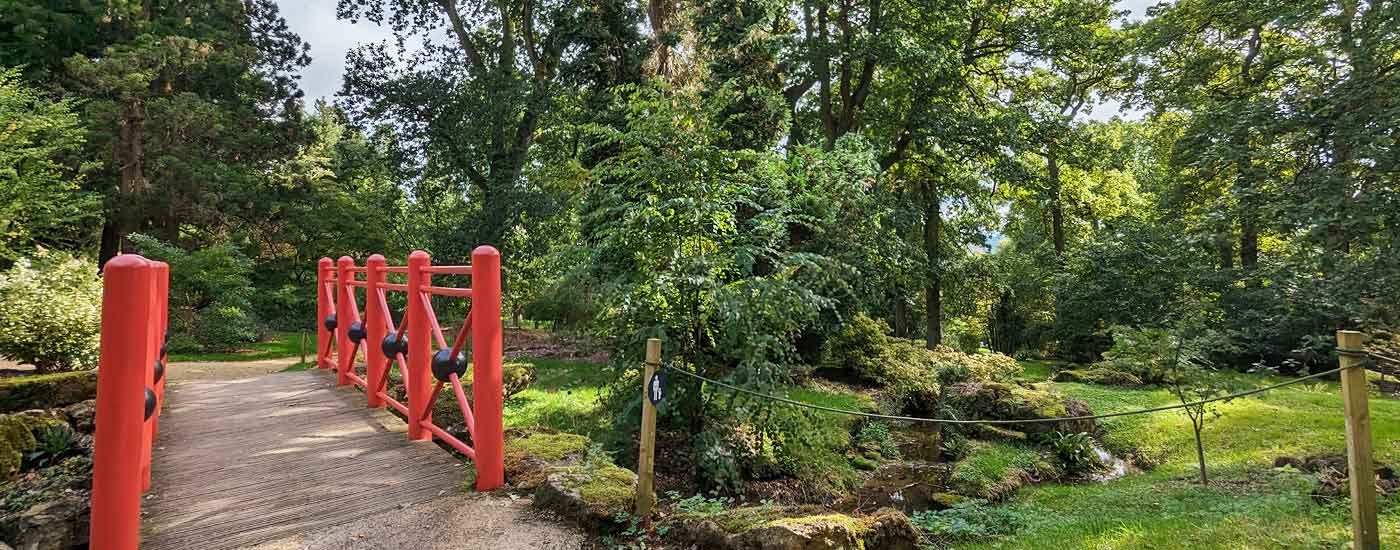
182,97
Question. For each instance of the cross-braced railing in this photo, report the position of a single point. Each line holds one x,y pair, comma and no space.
419,347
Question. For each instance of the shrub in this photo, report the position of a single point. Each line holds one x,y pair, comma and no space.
874,437
50,312
210,294
909,372
1075,450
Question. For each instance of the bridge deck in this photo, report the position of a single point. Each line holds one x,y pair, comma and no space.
240,462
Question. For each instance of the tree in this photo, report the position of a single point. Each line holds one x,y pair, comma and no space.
184,95
41,174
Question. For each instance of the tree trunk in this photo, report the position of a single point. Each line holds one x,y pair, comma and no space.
659,11
1227,252
901,318
1057,211
1249,237
933,302
125,212
1200,450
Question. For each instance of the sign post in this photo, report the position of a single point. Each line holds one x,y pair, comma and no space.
653,391
1361,470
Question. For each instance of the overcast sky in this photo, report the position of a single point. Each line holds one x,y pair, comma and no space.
330,38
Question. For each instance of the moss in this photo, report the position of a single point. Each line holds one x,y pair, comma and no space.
46,391
864,464
17,437
1100,375
994,471
547,447
946,500
855,526
602,485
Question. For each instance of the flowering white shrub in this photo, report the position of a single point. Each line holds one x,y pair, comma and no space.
50,312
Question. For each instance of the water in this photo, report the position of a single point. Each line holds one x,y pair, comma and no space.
1114,467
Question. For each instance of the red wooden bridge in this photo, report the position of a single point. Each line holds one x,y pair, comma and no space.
235,463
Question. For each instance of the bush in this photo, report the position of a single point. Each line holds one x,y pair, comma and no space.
50,312
210,293
912,375
1075,450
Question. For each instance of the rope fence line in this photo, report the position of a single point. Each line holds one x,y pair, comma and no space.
848,412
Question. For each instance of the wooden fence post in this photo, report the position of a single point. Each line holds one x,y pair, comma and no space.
647,448
1361,471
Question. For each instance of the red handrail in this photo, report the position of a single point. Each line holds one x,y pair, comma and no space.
483,414
130,374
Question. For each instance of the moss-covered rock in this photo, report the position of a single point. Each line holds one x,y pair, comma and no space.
1099,375
775,528
864,350
18,435
46,391
592,493
515,377
993,471
529,457
1021,401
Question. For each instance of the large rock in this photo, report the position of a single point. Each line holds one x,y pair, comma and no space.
591,494
57,524
887,529
82,415
529,457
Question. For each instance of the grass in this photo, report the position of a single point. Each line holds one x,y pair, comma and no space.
1037,370
1247,505
564,398
277,345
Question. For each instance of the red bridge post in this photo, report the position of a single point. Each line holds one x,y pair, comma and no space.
487,398
344,315
376,330
420,336
325,306
120,444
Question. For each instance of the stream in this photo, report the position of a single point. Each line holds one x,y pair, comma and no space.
1114,467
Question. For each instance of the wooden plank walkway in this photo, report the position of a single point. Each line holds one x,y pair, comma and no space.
240,462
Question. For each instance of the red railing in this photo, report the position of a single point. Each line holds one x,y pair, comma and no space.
418,345
130,394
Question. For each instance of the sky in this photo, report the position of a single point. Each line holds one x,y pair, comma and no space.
330,38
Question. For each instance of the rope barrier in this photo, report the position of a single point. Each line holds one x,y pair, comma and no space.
991,421
1364,354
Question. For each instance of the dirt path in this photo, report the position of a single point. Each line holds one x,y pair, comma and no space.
224,370
447,523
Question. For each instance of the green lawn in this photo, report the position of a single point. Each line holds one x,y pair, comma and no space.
278,345
1247,505
564,397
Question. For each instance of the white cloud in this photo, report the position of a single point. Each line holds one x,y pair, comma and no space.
330,38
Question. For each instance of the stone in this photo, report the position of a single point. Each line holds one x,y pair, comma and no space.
54,525
81,415
766,528
590,494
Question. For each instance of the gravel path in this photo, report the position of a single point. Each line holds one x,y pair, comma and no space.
446,523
